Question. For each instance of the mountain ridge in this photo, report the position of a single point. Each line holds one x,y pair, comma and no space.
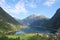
5,15
28,20
7,22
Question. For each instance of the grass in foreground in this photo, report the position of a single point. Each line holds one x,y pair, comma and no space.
30,37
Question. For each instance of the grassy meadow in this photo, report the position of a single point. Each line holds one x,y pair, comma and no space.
30,36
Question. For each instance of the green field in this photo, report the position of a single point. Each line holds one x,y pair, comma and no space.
30,37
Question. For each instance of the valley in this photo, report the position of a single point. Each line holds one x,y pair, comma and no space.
30,28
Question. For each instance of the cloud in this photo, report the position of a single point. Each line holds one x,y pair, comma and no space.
32,5
2,2
49,2
4,5
19,7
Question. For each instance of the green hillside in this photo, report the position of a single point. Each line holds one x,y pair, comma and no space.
31,36
8,23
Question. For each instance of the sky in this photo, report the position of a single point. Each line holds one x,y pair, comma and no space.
23,8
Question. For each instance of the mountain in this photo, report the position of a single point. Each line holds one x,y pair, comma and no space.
17,19
54,22
31,19
7,22
36,24
41,19
40,23
6,17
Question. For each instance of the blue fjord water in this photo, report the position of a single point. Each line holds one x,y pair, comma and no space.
33,30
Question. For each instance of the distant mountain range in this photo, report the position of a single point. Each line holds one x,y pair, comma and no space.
41,21
30,19
35,23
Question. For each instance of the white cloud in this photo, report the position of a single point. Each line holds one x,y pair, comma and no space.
4,5
49,2
18,8
32,5
2,2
